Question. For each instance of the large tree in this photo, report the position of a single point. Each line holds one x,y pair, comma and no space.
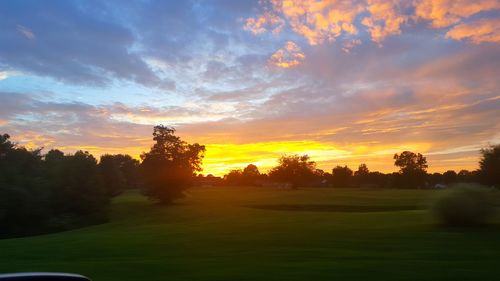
295,170
170,165
249,176
490,165
341,176
362,175
45,193
412,167
118,172
111,175
79,197
23,192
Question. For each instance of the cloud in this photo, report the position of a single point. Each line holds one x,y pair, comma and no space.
443,13
319,21
263,22
26,32
73,44
385,19
348,45
325,21
479,31
4,75
288,56
100,43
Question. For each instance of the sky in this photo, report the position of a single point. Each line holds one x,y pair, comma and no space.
346,82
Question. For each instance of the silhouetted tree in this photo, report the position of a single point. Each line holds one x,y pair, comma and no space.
449,177
362,175
170,165
78,196
118,172
54,156
251,174
5,145
45,193
413,168
378,179
435,178
23,192
111,175
465,176
341,176
294,169
234,178
490,165
129,168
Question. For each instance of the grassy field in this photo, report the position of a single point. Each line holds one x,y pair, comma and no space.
265,234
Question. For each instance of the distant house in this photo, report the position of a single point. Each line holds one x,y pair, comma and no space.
440,186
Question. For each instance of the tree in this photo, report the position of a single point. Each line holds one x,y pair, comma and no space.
23,192
341,176
362,175
78,196
489,165
465,176
362,170
129,168
118,172
54,156
413,168
170,165
246,177
234,178
251,174
51,192
449,177
5,145
294,169
111,175
40,194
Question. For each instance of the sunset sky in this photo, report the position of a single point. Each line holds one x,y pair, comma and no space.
346,82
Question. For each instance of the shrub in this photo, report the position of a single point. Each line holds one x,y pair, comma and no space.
465,205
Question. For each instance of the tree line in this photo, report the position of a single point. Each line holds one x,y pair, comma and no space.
300,171
54,191
42,193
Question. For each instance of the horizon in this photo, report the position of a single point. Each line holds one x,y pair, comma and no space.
343,82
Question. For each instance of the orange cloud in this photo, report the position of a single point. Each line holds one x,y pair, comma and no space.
319,21
325,21
264,22
484,30
288,56
443,13
386,18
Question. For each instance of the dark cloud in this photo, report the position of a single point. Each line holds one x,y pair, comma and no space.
94,42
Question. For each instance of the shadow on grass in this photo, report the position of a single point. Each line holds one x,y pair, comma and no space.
491,225
332,208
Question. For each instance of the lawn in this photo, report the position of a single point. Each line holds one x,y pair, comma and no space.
266,234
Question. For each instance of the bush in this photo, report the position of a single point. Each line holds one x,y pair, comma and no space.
465,205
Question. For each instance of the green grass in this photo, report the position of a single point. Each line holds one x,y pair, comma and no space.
226,234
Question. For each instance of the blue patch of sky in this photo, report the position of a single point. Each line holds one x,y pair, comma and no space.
119,91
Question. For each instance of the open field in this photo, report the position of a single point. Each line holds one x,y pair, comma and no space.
266,234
